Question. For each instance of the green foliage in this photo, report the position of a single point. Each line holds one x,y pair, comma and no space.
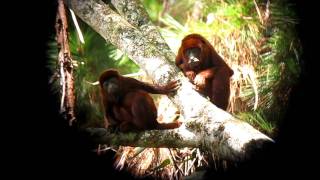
52,54
258,120
282,63
154,8
231,11
163,164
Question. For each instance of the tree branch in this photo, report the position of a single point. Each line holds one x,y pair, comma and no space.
135,14
177,138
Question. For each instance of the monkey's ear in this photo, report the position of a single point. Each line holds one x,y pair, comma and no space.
178,62
105,85
231,72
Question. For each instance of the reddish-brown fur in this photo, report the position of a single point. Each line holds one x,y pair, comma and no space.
130,107
211,74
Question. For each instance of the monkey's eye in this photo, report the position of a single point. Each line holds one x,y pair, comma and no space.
110,80
193,53
105,84
111,85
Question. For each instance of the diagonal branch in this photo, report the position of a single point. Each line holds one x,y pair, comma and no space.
135,14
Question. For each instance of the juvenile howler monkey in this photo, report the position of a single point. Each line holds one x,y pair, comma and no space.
127,104
205,69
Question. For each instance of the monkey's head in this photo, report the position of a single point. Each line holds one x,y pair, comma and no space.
195,51
110,85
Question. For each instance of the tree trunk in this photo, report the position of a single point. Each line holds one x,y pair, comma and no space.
207,126
65,65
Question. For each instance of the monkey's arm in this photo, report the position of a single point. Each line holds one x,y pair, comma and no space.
208,73
153,89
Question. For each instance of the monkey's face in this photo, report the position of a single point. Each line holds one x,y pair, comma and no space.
111,85
193,57
112,88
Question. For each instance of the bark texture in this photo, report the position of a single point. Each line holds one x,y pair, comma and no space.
65,65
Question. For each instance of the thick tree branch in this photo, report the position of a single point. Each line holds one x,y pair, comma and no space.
177,138
136,15
209,127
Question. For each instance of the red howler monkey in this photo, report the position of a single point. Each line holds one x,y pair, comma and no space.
127,104
205,69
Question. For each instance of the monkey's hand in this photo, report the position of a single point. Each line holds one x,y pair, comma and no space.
200,81
171,87
191,75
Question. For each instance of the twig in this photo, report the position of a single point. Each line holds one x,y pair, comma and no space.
63,86
174,162
92,83
74,19
191,165
267,12
258,11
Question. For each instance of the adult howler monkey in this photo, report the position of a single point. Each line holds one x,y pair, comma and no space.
205,69
127,104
